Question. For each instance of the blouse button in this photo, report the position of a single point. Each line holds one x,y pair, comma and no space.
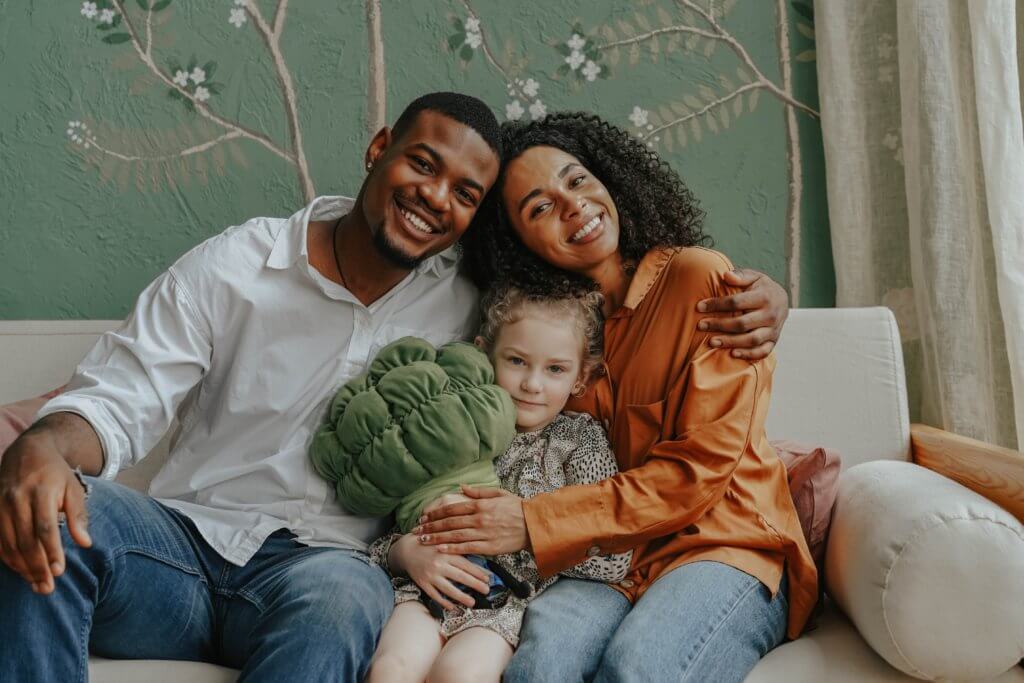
593,550
626,583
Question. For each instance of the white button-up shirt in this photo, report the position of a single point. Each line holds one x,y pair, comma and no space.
246,343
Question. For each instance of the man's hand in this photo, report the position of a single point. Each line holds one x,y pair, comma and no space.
436,573
764,305
36,484
491,524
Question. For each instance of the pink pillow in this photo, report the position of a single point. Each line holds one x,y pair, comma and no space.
813,481
17,417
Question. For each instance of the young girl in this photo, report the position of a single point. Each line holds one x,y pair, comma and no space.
543,351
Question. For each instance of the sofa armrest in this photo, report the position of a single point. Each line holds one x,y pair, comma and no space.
991,471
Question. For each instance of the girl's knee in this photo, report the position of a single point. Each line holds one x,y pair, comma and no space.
388,667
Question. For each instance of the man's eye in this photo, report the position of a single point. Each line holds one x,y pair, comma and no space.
422,163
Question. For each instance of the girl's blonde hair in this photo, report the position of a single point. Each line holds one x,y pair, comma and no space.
505,304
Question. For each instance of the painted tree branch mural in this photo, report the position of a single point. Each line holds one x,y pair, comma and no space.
191,84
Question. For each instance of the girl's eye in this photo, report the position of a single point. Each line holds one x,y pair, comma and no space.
557,369
466,196
576,181
537,209
515,361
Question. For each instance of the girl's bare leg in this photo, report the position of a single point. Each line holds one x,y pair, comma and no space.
477,654
408,646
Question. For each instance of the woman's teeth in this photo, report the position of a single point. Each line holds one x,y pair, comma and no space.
586,229
416,221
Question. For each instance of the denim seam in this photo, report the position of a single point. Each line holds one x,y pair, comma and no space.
83,638
717,627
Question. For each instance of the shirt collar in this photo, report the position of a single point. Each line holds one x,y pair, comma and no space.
652,265
291,246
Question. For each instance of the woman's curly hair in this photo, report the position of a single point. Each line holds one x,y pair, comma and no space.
655,207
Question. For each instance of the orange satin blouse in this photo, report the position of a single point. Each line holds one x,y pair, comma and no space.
686,420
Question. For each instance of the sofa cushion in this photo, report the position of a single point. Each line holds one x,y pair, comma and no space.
813,473
931,573
16,417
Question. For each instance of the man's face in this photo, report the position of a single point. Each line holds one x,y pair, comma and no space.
425,186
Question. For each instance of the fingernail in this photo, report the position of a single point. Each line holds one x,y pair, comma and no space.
702,307
417,529
737,354
716,342
702,325
55,568
422,519
424,538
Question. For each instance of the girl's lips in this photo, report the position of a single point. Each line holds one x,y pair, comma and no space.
592,235
527,403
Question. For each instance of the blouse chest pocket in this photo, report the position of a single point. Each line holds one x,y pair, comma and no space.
642,426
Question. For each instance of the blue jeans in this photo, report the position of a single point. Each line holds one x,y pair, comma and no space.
151,588
704,621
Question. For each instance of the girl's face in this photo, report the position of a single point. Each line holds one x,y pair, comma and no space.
561,211
538,361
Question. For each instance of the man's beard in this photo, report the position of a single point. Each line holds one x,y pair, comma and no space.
391,252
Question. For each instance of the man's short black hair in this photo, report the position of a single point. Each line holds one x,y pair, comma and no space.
465,109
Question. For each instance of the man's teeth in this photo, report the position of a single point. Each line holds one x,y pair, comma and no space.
416,221
586,229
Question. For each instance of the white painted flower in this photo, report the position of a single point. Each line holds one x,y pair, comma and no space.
639,117
472,25
530,87
197,75
180,78
202,94
538,110
237,17
591,70
576,43
107,16
575,59
88,10
474,40
514,110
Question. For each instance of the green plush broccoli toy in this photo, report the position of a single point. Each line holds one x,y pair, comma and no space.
417,424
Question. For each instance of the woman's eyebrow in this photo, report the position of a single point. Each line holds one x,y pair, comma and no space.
536,191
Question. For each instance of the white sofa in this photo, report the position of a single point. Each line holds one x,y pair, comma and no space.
839,383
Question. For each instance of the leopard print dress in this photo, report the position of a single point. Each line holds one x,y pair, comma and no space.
571,450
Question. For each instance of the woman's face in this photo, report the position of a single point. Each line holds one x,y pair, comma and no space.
561,211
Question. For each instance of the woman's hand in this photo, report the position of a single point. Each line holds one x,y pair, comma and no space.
492,523
764,305
436,573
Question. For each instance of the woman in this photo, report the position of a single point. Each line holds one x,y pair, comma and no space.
721,572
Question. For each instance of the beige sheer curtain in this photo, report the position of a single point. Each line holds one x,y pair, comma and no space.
924,151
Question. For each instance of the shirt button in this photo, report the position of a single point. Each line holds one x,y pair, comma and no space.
626,583
593,550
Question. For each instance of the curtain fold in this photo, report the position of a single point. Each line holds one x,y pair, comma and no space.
924,153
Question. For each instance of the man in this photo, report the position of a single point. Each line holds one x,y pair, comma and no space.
242,555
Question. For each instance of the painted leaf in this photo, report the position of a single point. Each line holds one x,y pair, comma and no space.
162,5
665,113
805,30
626,28
456,40
725,81
692,102
681,135
562,70
634,53
723,116
691,42
807,56
804,10
663,16
144,4
752,102
655,47
679,108
709,48
711,123
695,128
104,27
642,22
466,53
667,140
608,32
605,73
673,43
737,106
209,68
613,57
742,74
563,49
174,94
117,38
707,93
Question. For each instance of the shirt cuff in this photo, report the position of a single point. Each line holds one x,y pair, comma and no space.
112,440
563,535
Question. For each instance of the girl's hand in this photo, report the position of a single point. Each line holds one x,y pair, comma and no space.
491,524
436,573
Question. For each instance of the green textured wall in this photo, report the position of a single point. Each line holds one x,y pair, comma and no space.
111,169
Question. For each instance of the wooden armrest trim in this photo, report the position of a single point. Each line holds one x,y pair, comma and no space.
992,471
